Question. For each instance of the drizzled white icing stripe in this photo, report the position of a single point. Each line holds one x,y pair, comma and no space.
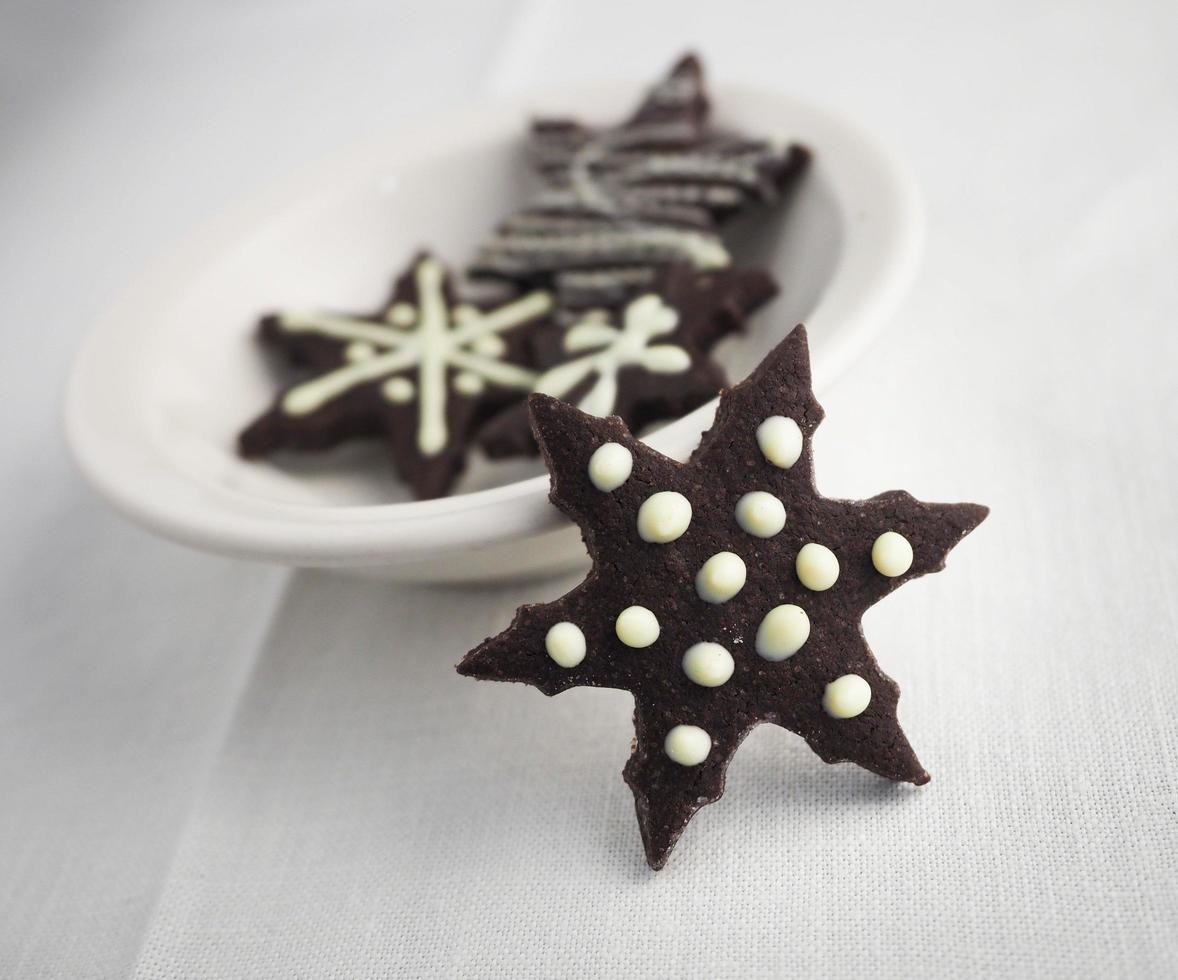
688,169
314,394
559,145
646,244
432,326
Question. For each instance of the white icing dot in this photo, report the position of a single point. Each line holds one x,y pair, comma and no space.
468,383
687,745
708,664
721,577
565,644
760,514
847,696
359,350
464,313
489,345
663,517
637,627
817,567
782,632
891,554
399,390
402,315
780,440
610,466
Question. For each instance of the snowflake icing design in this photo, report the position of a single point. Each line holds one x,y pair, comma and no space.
421,338
645,362
412,364
725,592
644,319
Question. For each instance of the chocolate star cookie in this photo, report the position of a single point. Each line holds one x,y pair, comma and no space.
645,361
620,202
725,592
425,372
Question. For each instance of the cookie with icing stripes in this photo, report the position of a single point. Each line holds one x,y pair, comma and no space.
618,203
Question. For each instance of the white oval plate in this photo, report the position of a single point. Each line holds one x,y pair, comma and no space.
169,376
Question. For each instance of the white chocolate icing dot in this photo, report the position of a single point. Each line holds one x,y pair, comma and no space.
782,632
565,644
610,466
489,345
891,554
399,390
760,514
663,517
817,567
708,664
468,383
637,627
721,577
687,745
780,440
402,315
846,696
359,350
464,313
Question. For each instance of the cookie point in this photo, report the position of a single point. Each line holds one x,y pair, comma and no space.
469,666
543,410
974,514
689,61
538,401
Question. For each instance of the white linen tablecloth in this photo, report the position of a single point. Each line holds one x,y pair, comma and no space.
212,769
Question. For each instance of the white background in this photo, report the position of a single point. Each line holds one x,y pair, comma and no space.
213,769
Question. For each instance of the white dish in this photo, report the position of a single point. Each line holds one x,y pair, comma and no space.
167,378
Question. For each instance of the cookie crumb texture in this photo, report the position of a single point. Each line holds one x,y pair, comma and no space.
785,647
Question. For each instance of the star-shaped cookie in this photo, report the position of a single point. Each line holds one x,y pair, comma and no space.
425,372
725,592
621,201
645,361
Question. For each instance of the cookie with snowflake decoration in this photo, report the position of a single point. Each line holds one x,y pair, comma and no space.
725,592
644,361
425,373
619,202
